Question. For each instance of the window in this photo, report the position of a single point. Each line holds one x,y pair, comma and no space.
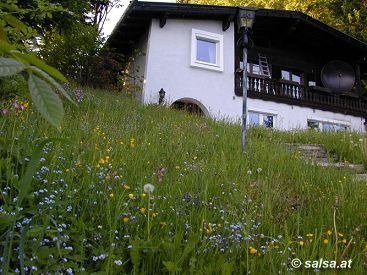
327,126
207,50
253,68
261,119
291,76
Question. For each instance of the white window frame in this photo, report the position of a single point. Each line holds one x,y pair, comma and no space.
211,37
261,114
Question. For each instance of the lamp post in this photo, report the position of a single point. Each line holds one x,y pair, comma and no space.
245,22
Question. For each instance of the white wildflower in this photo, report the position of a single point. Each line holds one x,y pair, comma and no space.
148,188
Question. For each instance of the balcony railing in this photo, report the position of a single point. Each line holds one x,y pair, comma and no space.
313,97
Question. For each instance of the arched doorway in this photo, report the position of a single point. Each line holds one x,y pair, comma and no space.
190,105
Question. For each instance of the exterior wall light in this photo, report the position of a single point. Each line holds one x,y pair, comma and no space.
162,94
245,21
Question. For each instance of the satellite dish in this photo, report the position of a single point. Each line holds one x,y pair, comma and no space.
338,76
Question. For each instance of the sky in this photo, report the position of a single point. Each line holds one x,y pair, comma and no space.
116,13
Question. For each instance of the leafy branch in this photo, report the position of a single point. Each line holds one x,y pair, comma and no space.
42,78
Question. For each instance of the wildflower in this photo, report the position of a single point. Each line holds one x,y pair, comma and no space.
252,250
325,241
344,241
125,219
309,235
259,170
132,143
127,187
329,232
142,210
111,195
118,262
143,195
301,243
131,196
195,158
148,188
177,167
249,172
154,215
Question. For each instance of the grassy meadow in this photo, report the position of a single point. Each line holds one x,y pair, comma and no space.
76,201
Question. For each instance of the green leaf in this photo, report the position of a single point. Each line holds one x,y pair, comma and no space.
52,82
9,66
15,23
34,60
46,100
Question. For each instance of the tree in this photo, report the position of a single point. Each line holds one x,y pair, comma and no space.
349,16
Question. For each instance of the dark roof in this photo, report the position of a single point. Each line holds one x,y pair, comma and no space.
136,19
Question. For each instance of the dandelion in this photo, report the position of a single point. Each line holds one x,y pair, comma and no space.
301,243
142,210
148,188
252,250
131,196
125,219
325,241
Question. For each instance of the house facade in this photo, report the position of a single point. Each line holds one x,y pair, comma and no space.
301,72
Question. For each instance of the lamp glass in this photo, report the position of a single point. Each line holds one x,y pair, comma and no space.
246,18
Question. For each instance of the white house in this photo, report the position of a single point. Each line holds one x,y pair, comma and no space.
301,72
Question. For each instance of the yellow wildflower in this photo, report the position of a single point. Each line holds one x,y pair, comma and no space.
154,215
325,241
131,196
143,195
111,195
142,210
126,219
252,250
329,232
127,187
309,235
301,243
344,241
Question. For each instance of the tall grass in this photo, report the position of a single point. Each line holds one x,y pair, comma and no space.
214,209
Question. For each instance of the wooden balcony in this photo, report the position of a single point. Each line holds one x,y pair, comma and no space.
312,97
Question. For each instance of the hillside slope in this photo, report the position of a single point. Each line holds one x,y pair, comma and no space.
213,208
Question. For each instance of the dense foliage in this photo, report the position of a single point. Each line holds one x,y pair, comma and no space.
64,33
345,15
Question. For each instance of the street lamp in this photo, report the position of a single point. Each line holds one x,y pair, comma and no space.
245,21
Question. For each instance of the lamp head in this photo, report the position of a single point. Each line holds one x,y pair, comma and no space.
246,18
